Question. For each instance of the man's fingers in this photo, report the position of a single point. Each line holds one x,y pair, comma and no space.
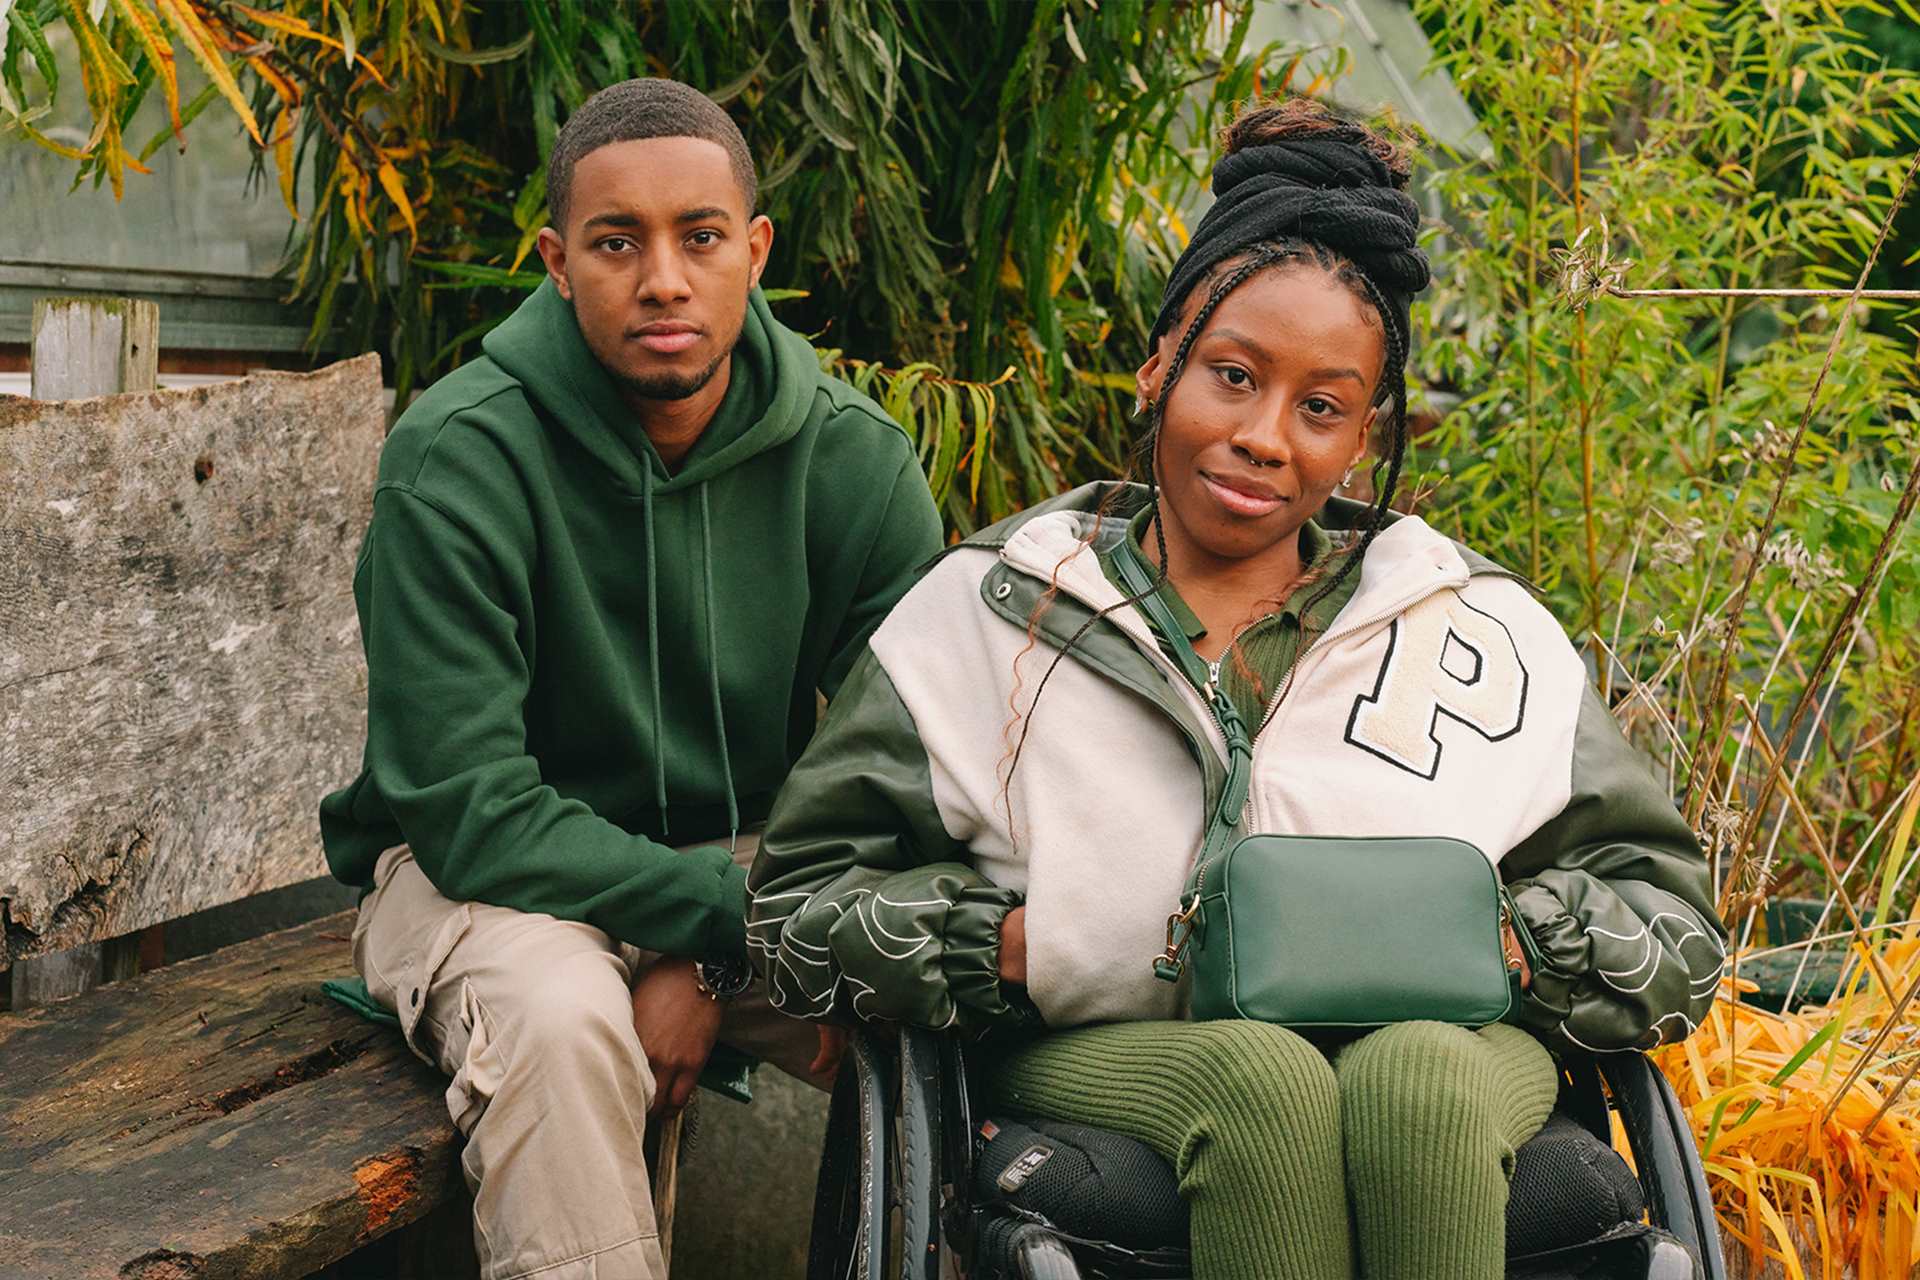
669,1095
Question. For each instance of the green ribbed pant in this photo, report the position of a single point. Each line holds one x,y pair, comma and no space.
1414,1126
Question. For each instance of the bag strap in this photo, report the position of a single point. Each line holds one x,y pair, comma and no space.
1137,578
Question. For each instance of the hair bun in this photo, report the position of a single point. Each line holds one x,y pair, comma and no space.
1322,163
1303,119
1297,171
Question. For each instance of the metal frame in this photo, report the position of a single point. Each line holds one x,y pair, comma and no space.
199,311
896,1169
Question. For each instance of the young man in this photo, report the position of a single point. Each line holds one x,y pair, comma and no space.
612,563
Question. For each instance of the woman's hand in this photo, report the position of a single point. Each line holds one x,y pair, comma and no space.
1013,946
826,1063
1519,953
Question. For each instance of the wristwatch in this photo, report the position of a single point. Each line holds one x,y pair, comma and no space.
722,980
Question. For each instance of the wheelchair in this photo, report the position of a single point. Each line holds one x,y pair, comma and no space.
910,1186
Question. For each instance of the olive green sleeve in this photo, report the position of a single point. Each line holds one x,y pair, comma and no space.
859,902
1617,898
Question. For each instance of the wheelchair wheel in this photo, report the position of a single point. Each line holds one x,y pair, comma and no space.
851,1205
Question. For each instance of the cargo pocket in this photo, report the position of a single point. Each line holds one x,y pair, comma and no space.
405,934
478,1078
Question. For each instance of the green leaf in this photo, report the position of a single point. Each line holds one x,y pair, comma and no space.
474,57
473,273
22,25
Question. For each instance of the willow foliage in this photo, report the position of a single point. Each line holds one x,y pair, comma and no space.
985,187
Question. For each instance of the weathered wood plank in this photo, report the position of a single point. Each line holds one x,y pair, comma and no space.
87,347
94,347
217,1118
180,670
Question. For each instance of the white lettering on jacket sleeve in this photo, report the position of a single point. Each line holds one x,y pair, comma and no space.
1444,658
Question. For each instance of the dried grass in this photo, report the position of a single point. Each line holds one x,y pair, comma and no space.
1810,1168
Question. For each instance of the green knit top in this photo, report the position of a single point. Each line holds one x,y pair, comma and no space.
1267,649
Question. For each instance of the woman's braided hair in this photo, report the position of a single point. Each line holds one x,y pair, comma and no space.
1299,183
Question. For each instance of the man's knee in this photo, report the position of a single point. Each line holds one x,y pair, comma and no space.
577,1015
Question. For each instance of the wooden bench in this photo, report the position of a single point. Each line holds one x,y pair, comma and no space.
180,681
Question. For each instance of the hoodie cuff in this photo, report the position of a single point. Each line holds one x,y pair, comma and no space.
727,933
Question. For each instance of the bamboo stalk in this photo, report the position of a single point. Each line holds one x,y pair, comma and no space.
1902,295
1812,829
1707,756
1842,627
1894,1018
1893,1096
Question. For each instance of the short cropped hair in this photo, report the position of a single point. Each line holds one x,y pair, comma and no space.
646,108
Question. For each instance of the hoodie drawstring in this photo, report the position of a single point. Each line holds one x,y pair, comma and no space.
713,667
653,650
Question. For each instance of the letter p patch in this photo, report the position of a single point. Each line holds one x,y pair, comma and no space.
1444,658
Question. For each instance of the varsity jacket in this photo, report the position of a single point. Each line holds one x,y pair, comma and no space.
1442,700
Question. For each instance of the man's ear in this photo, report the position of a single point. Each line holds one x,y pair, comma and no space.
553,252
759,245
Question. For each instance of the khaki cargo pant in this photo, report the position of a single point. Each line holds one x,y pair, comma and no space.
531,1017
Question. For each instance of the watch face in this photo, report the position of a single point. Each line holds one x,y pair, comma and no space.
728,979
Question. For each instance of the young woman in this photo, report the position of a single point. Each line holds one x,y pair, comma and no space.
1000,812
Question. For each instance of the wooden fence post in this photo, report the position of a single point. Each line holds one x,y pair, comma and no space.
89,347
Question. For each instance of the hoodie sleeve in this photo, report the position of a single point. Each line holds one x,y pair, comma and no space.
861,904
446,741
906,537
1616,897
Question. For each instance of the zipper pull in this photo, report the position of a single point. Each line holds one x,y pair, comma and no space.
1213,676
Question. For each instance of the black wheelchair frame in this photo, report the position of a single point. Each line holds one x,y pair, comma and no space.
896,1177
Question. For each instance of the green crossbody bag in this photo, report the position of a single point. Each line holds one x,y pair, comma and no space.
1329,931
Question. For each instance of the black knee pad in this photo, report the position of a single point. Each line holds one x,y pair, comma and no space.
1090,1183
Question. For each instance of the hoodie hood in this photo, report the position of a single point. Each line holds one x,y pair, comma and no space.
770,393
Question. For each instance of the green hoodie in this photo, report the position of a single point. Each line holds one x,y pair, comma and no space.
574,655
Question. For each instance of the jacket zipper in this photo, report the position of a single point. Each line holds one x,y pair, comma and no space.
1168,666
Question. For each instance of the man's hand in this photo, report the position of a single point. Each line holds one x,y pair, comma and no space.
1013,946
677,1024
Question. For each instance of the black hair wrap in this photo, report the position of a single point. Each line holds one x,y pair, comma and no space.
1319,188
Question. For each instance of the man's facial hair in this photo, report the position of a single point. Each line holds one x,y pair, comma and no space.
669,387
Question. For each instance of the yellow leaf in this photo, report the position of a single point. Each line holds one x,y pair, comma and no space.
146,26
397,192
206,51
58,148
528,238
283,159
281,22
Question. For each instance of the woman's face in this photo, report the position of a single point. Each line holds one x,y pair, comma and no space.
1272,410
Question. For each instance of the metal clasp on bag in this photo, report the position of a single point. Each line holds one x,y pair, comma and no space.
1167,965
